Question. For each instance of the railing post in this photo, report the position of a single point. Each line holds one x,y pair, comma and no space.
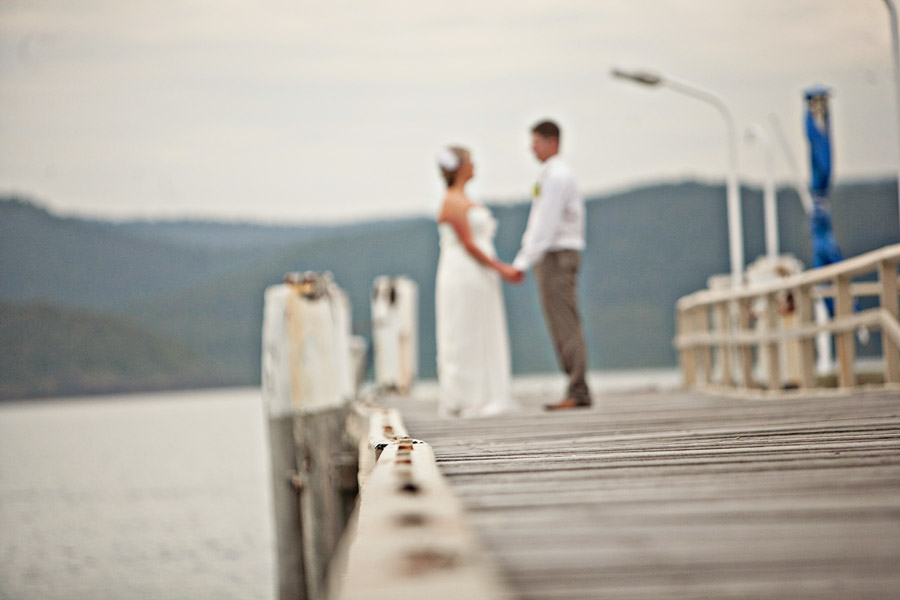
746,350
701,325
773,362
724,326
887,277
804,308
686,354
846,349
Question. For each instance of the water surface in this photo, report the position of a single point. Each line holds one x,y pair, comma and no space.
162,496
138,496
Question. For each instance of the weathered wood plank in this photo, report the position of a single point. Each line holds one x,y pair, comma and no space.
677,495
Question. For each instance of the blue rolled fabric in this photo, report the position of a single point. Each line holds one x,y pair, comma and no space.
825,250
824,245
819,154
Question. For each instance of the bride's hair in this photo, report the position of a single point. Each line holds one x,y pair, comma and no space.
462,156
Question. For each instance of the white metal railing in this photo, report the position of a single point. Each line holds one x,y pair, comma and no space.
738,327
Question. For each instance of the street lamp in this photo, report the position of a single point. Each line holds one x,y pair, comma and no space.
735,229
757,132
895,50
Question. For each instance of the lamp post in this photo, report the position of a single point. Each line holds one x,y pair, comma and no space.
770,207
735,228
895,51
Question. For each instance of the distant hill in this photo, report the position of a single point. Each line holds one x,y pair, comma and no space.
49,351
240,238
92,264
200,285
224,317
99,264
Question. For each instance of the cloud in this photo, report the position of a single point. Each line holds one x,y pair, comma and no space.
344,103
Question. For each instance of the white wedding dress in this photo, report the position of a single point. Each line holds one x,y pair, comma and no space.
472,340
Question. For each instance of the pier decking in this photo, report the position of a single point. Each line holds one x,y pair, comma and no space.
681,495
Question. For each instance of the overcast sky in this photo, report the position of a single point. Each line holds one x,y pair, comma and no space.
296,111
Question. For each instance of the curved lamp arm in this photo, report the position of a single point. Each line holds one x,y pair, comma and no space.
735,228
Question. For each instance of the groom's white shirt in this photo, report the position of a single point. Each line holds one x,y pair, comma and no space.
556,220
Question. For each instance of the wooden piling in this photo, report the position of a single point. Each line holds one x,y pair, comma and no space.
289,547
327,495
307,370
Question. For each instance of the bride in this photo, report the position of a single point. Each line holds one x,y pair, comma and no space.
472,341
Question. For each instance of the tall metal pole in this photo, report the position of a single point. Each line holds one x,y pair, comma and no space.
895,47
770,202
735,227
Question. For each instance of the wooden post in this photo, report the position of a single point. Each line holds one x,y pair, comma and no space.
804,307
276,388
306,381
724,326
701,317
846,349
328,491
686,354
746,350
291,583
773,362
395,332
887,276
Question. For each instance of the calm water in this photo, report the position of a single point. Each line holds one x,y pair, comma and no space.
160,496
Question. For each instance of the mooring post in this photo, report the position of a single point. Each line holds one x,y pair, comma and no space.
276,390
308,379
395,332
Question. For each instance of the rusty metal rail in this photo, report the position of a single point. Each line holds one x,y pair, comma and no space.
724,322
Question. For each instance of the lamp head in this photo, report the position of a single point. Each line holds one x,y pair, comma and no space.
641,77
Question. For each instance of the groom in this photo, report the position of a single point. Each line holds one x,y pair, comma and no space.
552,244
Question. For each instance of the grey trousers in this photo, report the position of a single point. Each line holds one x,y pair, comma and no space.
557,279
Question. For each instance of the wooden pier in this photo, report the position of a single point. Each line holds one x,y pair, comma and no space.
680,494
743,489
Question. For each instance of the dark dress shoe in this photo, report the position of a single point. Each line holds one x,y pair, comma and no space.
567,404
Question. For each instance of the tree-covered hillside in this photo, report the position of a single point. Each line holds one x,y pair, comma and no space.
49,351
199,286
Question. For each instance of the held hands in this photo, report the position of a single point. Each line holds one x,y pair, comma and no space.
510,274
